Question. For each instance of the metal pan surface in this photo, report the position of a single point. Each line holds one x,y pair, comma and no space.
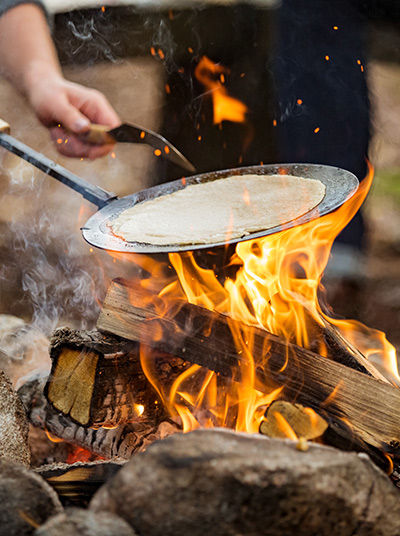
340,186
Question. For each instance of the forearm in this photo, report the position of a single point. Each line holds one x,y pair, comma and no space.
26,48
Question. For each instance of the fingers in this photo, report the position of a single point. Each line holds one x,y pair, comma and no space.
93,105
73,107
68,144
56,108
72,119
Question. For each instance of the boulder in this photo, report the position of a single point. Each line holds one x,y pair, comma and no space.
23,349
13,424
26,500
224,483
79,522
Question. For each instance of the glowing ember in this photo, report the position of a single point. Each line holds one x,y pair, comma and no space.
76,454
79,454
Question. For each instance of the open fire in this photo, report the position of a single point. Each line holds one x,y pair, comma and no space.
276,287
273,290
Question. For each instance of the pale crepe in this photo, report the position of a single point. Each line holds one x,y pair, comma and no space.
220,210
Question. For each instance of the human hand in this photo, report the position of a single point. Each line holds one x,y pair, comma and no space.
73,107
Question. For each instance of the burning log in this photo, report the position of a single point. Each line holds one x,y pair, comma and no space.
96,379
119,442
339,349
348,398
284,419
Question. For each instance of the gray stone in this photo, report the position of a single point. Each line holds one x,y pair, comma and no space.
26,500
79,522
224,483
13,424
23,349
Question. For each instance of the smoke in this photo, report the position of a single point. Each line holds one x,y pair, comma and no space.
48,274
87,35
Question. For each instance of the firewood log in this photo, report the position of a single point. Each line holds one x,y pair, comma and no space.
284,419
367,406
76,483
96,380
120,442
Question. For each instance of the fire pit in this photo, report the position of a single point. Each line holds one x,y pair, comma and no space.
181,348
215,393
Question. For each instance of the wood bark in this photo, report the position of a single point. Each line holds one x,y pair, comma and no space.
120,442
97,380
353,402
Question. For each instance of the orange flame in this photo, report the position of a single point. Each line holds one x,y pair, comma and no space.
53,438
275,287
79,454
284,426
226,108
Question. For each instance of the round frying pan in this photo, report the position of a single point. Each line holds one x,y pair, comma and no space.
340,186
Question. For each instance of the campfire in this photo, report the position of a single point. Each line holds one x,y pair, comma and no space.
218,390
214,341
182,348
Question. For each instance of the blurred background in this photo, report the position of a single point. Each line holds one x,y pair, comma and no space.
147,57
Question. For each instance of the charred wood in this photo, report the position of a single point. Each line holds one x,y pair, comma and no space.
97,380
120,442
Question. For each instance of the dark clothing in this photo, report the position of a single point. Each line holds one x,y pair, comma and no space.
323,105
237,38
5,5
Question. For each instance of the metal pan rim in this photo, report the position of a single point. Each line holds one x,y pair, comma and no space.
340,186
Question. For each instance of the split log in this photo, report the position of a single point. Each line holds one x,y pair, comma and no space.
120,442
340,349
97,380
76,483
284,419
353,402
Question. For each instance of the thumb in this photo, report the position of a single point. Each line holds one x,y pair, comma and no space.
71,118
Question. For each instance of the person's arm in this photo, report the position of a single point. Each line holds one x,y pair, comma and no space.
29,60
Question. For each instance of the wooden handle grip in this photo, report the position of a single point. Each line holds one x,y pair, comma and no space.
98,135
4,127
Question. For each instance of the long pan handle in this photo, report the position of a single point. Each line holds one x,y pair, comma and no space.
91,192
